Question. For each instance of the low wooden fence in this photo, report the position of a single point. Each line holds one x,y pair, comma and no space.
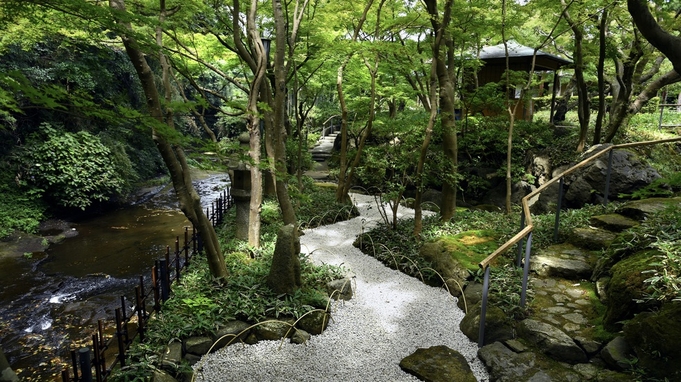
527,226
91,364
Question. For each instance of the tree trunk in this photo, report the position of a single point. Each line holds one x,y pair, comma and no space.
418,213
668,44
341,194
601,78
259,68
173,155
279,108
642,99
583,111
447,117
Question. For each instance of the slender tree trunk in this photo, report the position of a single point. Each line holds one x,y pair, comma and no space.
341,194
259,67
418,212
279,108
601,77
447,112
583,111
173,155
642,99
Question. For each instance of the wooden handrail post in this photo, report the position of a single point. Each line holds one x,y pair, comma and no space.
140,312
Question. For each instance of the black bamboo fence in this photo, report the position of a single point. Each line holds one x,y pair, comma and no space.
97,362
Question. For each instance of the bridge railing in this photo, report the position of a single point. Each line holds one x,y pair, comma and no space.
97,362
527,225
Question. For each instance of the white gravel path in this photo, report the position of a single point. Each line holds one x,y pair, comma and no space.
389,317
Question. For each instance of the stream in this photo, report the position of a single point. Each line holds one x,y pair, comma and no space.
50,301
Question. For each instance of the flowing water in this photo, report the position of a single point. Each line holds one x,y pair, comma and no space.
50,301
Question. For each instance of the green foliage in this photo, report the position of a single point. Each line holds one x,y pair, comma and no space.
21,208
505,290
199,306
662,232
73,169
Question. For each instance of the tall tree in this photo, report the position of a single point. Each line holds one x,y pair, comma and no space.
665,42
172,153
583,107
444,63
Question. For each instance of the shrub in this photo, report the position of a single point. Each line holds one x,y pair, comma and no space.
73,169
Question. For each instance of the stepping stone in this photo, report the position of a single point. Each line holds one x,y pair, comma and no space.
438,364
563,260
613,222
593,238
640,209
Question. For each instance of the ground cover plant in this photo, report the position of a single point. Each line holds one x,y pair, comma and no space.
399,249
200,304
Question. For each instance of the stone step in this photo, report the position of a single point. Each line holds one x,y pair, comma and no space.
592,238
564,260
613,222
641,209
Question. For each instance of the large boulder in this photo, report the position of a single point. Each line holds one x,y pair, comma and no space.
505,365
628,174
641,209
438,364
497,195
655,338
439,255
548,199
497,324
551,341
627,288
6,372
230,333
617,353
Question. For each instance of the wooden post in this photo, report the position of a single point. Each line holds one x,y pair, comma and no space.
119,337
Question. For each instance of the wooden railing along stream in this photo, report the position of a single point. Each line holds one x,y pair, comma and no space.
527,225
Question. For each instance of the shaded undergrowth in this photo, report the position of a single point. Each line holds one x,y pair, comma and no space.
201,305
399,249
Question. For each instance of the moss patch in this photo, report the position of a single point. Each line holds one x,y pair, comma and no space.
627,286
471,247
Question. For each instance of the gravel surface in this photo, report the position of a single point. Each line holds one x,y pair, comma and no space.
389,317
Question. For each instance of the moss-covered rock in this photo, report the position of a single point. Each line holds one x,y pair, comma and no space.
498,326
613,222
626,286
655,338
438,364
640,209
591,238
453,256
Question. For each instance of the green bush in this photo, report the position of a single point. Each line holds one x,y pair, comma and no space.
20,209
73,169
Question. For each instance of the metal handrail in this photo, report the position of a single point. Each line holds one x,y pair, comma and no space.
527,225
